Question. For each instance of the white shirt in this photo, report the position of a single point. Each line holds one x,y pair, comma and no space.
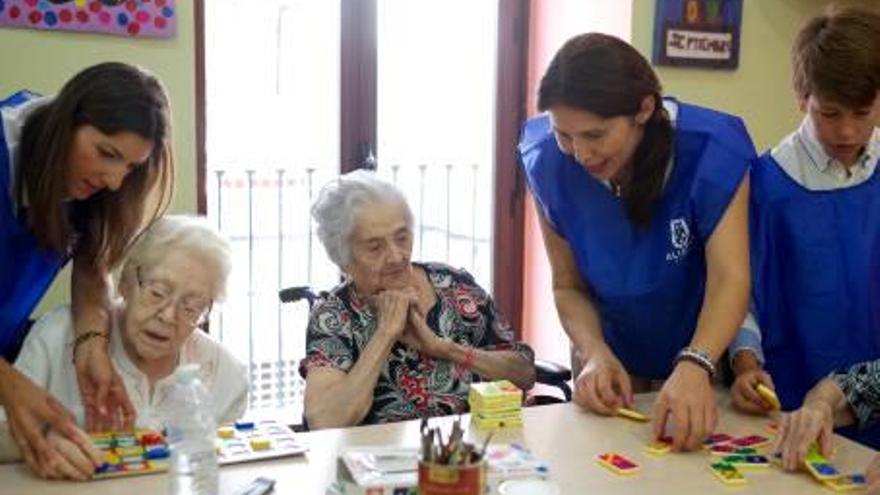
804,159
46,358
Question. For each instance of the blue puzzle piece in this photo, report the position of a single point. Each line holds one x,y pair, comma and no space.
157,453
824,469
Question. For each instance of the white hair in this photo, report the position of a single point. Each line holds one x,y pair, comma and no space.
189,234
339,203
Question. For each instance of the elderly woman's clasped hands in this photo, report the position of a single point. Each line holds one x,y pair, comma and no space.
392,307
399,313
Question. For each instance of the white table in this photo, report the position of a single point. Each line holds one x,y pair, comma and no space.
563,435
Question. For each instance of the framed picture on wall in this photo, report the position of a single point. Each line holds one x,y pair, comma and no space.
140,18
697,33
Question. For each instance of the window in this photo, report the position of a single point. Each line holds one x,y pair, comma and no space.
297,91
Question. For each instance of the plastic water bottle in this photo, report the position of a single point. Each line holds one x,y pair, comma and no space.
191,429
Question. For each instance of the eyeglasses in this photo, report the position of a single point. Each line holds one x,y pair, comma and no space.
158,295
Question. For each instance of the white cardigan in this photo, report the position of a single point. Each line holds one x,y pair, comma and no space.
46,358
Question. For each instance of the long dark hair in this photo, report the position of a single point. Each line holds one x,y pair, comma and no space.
605,76
113,97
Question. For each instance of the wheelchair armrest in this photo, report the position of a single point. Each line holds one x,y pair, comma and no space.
550,373
294,294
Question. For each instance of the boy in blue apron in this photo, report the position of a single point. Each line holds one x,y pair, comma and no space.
816,221
643,203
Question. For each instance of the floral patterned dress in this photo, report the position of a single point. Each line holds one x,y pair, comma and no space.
411,385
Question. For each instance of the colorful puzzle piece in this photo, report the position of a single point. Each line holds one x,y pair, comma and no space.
769,396
716,438
750,441
617,463
131,453
632,414
814,454
260,443
747,461
847,483
727,473
822,471
252,441
728,449
659,446
148,437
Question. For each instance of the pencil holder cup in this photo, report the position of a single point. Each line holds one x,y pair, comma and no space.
443,479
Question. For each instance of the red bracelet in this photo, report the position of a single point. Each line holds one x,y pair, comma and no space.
470,356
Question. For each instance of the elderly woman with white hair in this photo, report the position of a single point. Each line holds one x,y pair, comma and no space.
396,340
169,281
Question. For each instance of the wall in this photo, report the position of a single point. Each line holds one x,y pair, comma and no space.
759,90
42,61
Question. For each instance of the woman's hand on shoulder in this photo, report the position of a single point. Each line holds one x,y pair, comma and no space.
603,385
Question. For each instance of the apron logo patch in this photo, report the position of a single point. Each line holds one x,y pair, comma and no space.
680,237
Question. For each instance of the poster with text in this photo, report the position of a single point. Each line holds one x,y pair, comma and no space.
697,33
139,18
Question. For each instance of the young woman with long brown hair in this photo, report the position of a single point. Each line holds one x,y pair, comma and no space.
81,174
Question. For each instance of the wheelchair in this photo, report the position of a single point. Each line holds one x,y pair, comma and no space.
547,373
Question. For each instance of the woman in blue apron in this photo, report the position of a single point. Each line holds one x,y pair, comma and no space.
80,175
644,213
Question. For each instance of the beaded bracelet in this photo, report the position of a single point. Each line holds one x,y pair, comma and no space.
698,357
80,339
470,356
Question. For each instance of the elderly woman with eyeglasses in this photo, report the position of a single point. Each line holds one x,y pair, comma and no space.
396,340
166,288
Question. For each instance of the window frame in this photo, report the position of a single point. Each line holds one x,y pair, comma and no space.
358,96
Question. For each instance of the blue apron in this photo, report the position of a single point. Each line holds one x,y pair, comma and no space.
816,277
26,269
647,284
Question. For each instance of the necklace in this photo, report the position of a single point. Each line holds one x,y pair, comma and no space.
615,188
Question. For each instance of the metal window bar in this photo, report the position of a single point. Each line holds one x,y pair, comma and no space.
448,207
250,256
422,169
311,172
219,206
280,234
474,170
